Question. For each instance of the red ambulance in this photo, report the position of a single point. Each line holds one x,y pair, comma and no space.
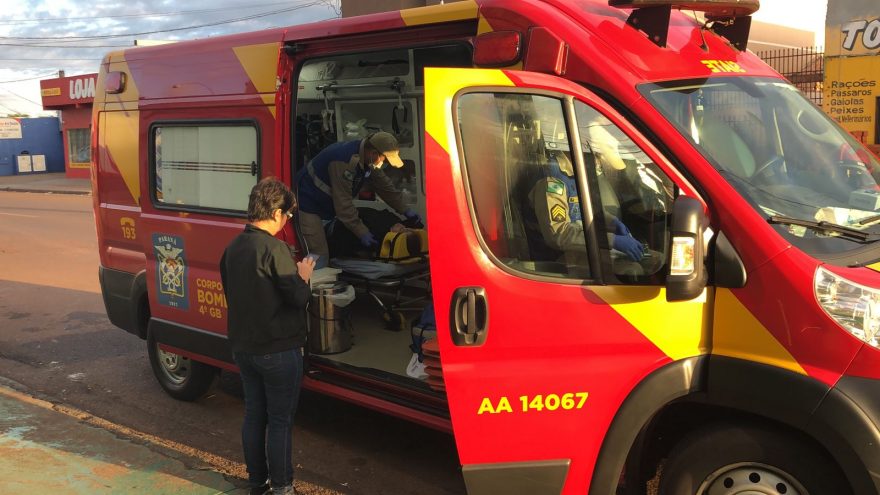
691,299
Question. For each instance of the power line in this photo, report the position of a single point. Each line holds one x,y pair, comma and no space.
335,5
10,109
145,14
22,97
30,78
78,42
65,46
47,59
128,35
35,68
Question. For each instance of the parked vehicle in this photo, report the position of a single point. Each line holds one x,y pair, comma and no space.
739,352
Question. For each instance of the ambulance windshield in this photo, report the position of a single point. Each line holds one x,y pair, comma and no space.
783,154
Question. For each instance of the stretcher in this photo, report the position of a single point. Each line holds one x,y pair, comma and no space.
397,280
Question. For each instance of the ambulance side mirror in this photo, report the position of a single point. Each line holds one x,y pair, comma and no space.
687,270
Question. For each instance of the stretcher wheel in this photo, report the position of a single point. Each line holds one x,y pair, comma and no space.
396,321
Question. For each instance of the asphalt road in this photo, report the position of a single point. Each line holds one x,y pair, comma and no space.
57,343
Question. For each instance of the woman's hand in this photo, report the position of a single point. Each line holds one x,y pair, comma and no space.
305,268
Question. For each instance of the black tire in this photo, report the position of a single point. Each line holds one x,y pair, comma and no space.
727,459
180,377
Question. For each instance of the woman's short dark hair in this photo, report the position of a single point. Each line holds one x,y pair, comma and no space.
267,196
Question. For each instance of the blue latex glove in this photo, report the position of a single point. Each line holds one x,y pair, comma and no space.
412,215
618,226
629,246
368,240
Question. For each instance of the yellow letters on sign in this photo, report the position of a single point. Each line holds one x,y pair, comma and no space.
487,407
722,66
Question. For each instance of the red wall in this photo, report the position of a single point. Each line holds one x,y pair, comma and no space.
73,96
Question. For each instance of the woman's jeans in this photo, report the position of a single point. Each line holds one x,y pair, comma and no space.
271,391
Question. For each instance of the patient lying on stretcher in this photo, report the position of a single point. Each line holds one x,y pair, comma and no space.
400,241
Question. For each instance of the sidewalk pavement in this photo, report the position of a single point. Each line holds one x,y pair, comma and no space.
55,182
49,448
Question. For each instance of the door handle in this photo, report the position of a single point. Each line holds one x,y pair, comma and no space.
469,316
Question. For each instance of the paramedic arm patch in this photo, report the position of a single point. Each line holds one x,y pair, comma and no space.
558,214
555,187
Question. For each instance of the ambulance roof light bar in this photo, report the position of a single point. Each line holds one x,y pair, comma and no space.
729,18
712,8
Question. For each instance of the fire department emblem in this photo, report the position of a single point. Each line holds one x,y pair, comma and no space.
171,270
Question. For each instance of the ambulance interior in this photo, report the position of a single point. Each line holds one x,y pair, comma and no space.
346,97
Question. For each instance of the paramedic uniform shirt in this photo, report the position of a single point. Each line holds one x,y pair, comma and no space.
558,217
347,180
311,198
331,180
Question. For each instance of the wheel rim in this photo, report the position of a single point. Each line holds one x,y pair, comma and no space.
174,367
751,479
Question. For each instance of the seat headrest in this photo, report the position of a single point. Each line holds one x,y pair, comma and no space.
605,147
726,146
565,165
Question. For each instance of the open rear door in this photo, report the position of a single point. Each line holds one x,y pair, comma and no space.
538,352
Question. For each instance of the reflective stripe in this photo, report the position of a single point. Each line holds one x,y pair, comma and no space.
318,182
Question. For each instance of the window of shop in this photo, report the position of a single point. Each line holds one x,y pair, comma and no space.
79,148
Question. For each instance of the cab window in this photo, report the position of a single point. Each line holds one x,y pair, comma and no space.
525,193
635,195
533,211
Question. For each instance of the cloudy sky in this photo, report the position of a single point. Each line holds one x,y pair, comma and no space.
40,37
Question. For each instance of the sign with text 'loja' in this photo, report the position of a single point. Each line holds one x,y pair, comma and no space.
65,91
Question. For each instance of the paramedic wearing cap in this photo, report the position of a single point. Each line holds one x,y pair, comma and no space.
327,186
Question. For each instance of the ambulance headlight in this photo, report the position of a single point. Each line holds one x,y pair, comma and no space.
854,307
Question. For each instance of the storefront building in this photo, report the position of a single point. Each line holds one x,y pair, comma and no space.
30,145
852,67
73,96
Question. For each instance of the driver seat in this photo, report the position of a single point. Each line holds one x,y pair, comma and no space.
727,147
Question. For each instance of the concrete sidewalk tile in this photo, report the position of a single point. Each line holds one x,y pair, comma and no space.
44,450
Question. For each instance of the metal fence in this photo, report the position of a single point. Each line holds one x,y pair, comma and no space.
804,67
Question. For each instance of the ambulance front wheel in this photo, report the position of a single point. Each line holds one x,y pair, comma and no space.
728,459
180,377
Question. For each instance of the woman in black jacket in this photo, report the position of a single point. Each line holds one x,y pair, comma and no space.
266,293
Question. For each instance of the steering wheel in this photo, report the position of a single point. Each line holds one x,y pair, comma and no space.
774,161
629,205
